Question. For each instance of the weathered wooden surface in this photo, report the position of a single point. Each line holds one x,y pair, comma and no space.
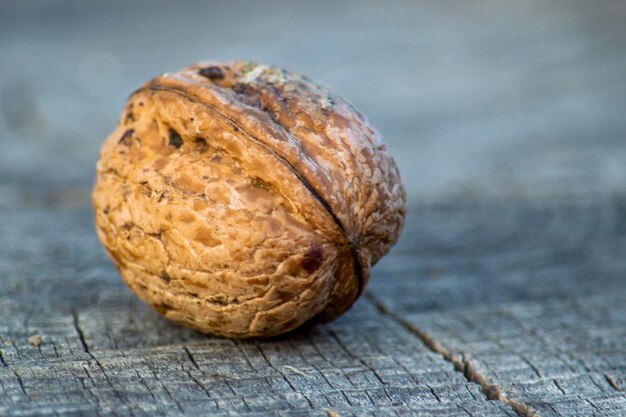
506,295
534,309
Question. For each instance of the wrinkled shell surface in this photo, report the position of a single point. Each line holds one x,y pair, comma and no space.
243,200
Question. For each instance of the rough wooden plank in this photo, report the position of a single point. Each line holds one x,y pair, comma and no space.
527,299
496,251
558,358
103,352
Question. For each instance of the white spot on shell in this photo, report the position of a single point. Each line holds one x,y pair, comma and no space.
264,73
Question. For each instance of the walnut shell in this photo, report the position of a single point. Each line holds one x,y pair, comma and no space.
242,199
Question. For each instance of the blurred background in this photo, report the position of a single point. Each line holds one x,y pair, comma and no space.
481,99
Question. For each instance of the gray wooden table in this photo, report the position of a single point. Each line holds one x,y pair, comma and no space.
506,295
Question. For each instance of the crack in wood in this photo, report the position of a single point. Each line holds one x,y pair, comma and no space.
20,382
92,382
432,390
612,382
556,384
281,373
360,360
595,407
191,358
146,386
83,341
81,335
492,391
199,383
167,391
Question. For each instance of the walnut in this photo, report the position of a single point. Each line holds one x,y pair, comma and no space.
242,199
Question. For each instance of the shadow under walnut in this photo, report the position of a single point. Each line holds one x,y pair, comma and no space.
242,199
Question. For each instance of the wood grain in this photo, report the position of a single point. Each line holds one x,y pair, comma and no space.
533,311
105,353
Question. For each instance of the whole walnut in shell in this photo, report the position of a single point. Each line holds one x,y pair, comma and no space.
242,199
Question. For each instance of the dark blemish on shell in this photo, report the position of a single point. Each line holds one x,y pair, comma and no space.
240,88
163,308
130,117
271,114
165,278
221,300
260,183
145,188
278,94
248,94
125,139
175,139
212,73
200,143
313,259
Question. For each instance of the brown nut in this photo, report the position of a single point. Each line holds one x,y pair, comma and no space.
242,199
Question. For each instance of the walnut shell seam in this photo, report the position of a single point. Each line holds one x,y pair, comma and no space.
357,265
